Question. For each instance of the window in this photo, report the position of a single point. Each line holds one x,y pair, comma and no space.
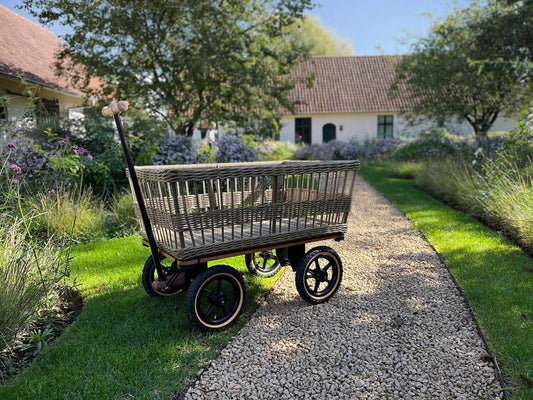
302,131
385,127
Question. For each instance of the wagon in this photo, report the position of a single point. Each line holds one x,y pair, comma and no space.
192,215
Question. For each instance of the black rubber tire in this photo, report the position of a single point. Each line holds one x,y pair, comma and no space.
219,289
319,275
149,274
256,262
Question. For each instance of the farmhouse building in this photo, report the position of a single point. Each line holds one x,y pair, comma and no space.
27,53
350,100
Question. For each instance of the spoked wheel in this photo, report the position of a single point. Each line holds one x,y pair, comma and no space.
264,264
319,275
149,275
216,299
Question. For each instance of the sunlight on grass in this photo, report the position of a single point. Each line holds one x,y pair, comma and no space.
125,344
487,266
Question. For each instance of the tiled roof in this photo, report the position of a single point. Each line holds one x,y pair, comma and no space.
28,49
348,84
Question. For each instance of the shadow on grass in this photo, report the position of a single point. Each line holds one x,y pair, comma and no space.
125,344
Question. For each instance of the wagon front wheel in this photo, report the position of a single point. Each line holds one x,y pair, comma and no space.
149,275
319,274
264,263
216,299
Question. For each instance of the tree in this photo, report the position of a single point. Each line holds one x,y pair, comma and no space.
442,79
508,32
185,60
319,40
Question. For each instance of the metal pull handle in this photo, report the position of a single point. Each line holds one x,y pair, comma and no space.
115,108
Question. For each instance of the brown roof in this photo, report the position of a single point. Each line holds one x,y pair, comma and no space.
348,84
29,50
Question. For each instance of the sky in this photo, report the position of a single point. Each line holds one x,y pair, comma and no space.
374,27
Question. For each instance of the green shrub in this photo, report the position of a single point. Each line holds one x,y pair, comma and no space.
65,214
403,169
271,150
122,220
28,273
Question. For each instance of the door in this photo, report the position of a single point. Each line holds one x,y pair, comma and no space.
328,133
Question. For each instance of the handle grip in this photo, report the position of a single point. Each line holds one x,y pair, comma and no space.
115,108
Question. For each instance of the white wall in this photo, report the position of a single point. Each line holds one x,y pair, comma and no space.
18,105
363,126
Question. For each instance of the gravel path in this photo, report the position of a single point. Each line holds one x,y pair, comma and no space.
398,328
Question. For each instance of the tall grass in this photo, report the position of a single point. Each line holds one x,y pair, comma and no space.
500,194
403,169
28,273
73,214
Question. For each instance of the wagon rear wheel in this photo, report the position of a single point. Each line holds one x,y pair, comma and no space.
216,299
319,275
264,263
149,275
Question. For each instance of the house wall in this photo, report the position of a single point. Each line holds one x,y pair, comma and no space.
361,127
18,104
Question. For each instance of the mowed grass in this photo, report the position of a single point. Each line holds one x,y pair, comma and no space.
125,344
488,267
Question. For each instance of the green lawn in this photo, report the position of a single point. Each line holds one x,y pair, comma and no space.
125,344
488,267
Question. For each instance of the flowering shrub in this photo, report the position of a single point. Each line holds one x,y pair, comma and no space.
333,150
231,148
274,150
434,144
30,267
378,150
56,163
175,150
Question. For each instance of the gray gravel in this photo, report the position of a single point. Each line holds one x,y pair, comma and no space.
398,328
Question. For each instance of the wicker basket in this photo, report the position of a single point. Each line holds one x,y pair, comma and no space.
211,209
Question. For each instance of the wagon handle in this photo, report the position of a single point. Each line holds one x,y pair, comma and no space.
114,109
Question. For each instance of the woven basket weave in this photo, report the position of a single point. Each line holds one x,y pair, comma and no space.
210,209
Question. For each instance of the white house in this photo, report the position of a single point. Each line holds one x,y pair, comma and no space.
350,101
27,50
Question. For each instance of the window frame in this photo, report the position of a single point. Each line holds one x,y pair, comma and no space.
385,127
301,125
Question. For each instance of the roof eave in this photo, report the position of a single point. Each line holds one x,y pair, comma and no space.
46,85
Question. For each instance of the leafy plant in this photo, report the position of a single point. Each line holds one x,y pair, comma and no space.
37,340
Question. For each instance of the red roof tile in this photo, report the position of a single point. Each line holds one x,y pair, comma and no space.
348,84
29,50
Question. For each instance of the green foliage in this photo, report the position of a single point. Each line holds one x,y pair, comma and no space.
273,150
507,33
122,220
431,145
185,61
403,169
321,41
28,273
441,79
70,214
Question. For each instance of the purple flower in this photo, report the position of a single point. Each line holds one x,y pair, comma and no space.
60,245
82,150
4,216
51,191
74,147
15,167
63,227
15,181
11,145
89,157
